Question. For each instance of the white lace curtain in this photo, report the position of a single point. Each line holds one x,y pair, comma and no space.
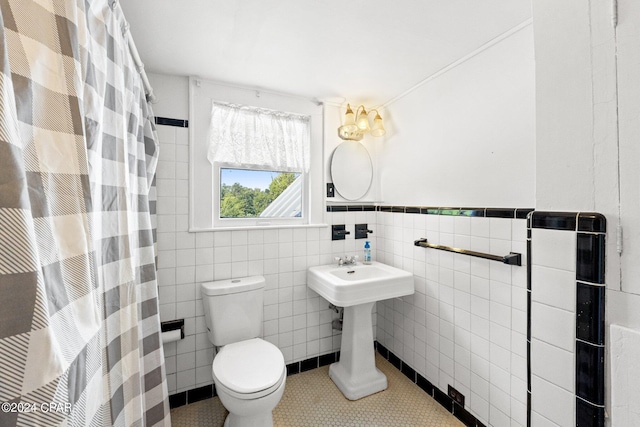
252,136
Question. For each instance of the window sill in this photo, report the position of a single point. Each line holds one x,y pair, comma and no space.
256,227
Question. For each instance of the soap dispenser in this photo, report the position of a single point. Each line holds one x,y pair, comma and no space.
367,253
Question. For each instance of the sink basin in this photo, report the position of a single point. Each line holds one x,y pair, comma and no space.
357,288
349,285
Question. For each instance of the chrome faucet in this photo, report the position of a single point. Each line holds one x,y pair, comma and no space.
347,260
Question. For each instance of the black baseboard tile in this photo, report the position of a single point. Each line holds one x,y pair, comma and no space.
439,396
200,393
308,364
293,368
382,350
408,372
395,361
177,400
464,416
424,384
327,359
208,391
443,398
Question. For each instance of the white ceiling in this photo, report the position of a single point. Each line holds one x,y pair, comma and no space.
365,50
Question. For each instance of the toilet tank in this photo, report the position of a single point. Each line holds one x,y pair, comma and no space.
233,309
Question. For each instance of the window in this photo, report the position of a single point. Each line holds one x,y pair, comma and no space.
205,175
261,160
255,193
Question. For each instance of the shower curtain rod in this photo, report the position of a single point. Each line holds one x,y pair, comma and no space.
133,50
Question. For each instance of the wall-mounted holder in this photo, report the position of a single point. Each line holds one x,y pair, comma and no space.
338,232
172,330
362,231
513,258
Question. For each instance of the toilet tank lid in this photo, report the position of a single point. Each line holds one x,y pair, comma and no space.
233,286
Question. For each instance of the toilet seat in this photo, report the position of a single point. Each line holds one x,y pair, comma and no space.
249,369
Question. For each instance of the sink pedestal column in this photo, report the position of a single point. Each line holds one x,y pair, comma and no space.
356,374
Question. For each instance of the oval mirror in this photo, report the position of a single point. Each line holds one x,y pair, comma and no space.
351,170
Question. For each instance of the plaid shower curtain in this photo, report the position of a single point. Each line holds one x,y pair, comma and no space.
79,326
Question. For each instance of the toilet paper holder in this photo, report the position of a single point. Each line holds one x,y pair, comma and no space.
172,325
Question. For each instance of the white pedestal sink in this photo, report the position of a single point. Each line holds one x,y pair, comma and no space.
357,288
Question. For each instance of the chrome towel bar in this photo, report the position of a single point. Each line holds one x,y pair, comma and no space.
513,258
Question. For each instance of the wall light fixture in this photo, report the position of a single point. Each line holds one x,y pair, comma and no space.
356,125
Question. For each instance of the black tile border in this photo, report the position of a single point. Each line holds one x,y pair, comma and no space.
589,222
513,213
555,220
165,121
500,213
529,244
589,250
590,229
592,222
200,393
590,313
590,373
434,392
197,394
588,415
336,208
178,399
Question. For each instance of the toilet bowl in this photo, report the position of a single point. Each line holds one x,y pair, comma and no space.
249,373
250,378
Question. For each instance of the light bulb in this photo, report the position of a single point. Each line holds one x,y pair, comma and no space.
349,120
363,121
378,129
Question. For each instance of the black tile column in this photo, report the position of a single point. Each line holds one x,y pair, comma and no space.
590,304
590,231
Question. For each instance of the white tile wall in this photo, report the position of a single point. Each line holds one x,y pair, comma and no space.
466,323
552,402
296,319
553,314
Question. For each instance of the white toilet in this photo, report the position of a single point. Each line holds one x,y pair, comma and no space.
249,373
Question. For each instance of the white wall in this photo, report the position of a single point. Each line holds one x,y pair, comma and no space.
173,96
467,137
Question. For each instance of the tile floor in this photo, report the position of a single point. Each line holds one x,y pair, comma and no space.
311,399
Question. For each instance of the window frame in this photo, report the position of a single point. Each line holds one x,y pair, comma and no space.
219,222
199,215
